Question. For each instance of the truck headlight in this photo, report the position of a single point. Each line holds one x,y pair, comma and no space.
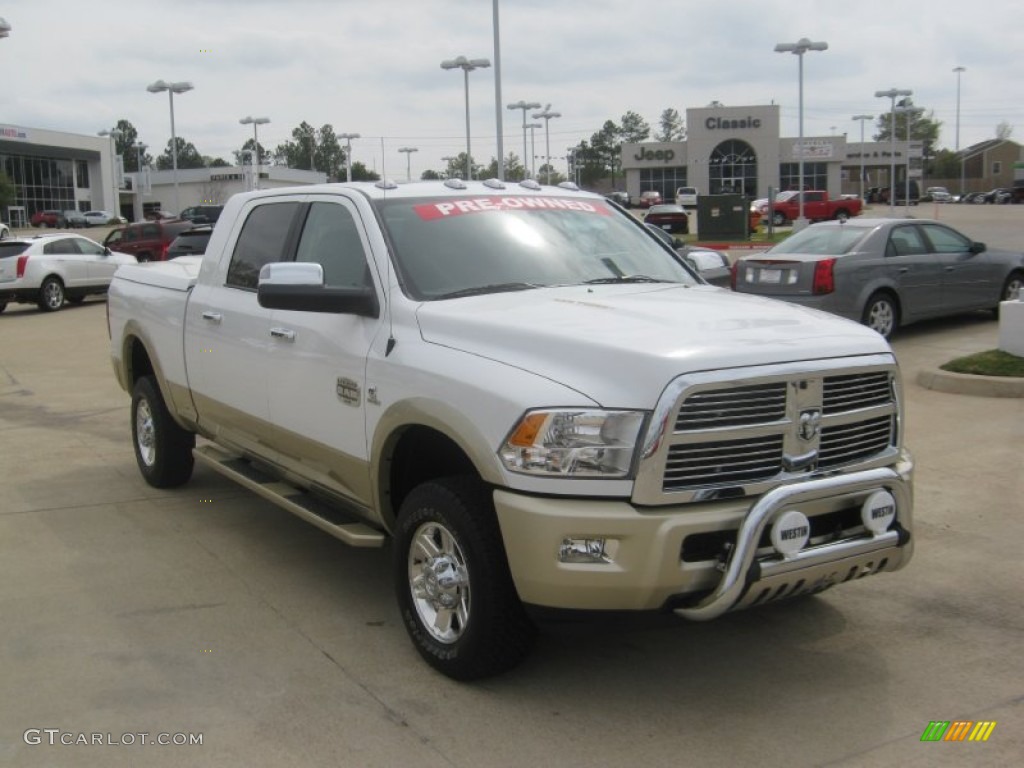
573,443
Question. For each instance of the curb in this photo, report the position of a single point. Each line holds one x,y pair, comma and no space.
969,384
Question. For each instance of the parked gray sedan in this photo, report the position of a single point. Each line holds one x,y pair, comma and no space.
884,272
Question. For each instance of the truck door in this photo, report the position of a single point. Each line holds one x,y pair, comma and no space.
228,340
317,361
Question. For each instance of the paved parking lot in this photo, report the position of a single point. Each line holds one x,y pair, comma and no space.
205,610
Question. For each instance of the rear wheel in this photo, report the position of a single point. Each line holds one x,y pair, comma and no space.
455,592
842,216
163,450
778,219
51,294
881,314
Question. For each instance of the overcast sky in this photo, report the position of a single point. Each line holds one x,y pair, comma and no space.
373,67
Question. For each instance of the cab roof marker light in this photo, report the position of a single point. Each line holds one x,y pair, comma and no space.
455,184
385,184
568,185
495,184
530,184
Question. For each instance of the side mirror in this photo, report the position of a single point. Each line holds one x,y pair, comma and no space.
977,247
106,251
299,286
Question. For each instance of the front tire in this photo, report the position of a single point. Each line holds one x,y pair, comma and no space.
778,219
454,588
881,314
51,294
163,450
1013,289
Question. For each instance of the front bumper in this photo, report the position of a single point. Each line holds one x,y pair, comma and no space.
646,567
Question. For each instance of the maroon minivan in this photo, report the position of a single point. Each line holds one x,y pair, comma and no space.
147,240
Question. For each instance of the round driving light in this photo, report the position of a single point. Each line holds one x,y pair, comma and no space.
790,532
878,512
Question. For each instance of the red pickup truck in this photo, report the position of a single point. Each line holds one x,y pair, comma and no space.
817,207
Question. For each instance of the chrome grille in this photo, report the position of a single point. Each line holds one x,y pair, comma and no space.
757,404
725,461
742,432
844,443
857,390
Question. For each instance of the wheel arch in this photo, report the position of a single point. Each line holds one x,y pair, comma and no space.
421,441
137,361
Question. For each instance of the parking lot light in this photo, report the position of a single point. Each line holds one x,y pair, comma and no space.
959,71
172,88
546,115
408,156
861,119
525,106
348,152
255,121
798,49
467,66
5,28
891,94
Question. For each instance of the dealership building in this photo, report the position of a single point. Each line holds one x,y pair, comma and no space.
54,170
740,150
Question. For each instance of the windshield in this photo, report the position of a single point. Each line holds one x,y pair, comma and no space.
446,247
784,196
825,241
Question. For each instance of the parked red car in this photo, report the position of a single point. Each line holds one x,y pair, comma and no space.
671,218
47,219
148,240
650,197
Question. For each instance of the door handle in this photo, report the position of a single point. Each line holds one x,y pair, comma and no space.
950,269
215,317
283,333
904,270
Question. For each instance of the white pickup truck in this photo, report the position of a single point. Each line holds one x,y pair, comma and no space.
531,396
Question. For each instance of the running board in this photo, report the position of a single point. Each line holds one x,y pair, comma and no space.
335,521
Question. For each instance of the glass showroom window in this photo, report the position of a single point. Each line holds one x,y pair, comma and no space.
732,169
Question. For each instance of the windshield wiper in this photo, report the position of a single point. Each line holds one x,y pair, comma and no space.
479,290
627,279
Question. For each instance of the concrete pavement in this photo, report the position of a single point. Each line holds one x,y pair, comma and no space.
205,610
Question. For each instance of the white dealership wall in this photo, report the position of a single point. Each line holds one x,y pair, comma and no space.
757,126
95,151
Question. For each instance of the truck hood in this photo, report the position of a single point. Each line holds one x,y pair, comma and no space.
620,345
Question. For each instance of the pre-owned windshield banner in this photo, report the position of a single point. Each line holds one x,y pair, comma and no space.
441,209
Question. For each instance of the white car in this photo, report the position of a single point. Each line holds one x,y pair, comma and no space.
686,197
100,218
5,232
49,269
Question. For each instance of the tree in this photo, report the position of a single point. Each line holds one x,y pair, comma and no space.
216,162
188,156
923,127
1004,130
633,129
556,177
945,164
429,175
672,126
361,173
514,169
330,157
241,158
311,149
124,145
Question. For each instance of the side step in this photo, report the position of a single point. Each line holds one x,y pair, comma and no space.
333,520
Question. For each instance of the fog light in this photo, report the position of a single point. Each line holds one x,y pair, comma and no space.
584,551
790,532
878,512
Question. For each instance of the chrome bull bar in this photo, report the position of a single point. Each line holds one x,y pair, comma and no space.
742,568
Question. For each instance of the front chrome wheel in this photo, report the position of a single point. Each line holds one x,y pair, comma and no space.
439,582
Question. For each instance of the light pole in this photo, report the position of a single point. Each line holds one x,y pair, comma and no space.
959,71
408,157
861,119
533,148
255,121
497,90
799,48
910,112
348,152
114,134
525,105
546,115
140,149
467,66
172,88
891,94
448,160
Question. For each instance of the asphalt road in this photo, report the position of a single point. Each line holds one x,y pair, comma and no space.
127,610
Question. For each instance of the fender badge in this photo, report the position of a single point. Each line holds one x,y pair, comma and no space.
348,391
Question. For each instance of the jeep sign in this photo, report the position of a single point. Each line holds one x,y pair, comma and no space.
665,155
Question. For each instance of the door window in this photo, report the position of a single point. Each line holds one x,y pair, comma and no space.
905,241
59,247
262,241
331,238
946,240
